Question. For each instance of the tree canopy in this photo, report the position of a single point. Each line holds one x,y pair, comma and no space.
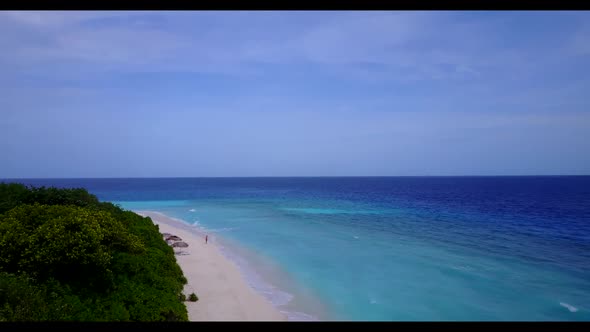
68,256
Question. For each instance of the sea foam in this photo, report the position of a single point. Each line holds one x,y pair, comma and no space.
569,307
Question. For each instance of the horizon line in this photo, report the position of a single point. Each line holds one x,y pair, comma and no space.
292,176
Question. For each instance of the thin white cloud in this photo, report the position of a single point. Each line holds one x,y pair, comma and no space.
340,39
59,19
370,46
370,37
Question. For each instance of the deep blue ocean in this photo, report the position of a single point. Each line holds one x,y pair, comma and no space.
390,248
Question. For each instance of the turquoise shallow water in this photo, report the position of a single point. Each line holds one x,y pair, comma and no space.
392,248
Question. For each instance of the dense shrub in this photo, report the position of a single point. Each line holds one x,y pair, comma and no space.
67,256
14,194
52,241
193,297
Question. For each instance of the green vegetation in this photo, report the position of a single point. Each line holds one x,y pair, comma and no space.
67,256
193,297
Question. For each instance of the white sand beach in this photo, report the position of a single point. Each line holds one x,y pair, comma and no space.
223,293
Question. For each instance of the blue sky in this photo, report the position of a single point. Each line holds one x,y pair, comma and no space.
146,94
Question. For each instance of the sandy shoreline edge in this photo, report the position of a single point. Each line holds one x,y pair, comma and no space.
223,293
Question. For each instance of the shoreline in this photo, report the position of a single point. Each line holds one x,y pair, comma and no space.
224,294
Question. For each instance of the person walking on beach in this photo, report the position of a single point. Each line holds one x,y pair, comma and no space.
206,238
